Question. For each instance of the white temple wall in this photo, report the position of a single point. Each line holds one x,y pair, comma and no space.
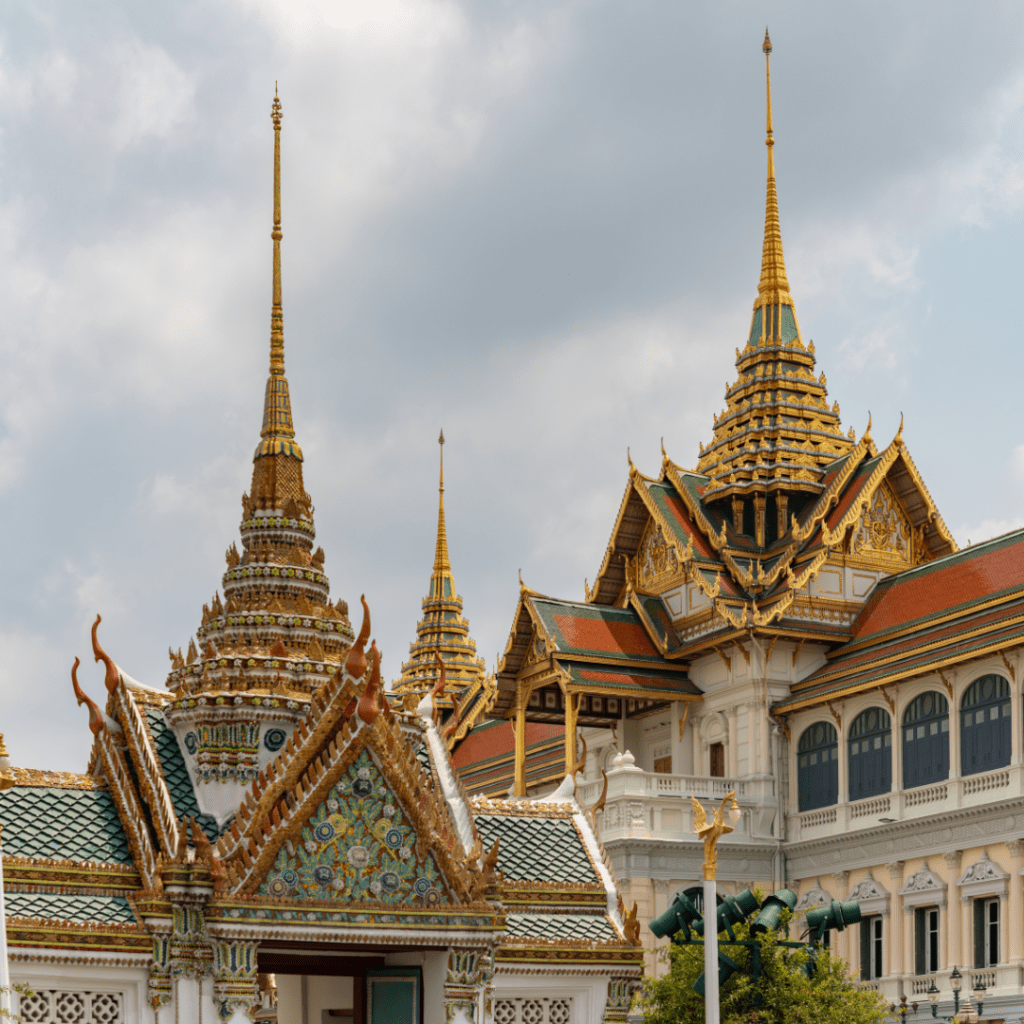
84,982
588,993
435,970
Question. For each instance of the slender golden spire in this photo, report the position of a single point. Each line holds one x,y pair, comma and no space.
278,428
773,288
441,562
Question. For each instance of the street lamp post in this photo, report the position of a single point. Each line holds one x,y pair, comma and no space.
711,834
969,1015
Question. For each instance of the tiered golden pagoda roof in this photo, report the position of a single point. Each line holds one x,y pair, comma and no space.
276,628
778,431
443,633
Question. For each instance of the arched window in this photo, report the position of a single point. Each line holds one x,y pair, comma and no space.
985,725
818,766
926,740
870,754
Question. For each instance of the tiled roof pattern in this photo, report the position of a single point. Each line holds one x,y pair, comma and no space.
69,907
982,572
176,775
660,621
590,927
669,683
65,824
675,512
913,655
596,630
536,849
852,490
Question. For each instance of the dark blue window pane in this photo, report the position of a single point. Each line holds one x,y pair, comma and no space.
870,770
985,725
926,740
818,772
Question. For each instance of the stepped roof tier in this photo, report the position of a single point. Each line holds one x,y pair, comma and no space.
443,646
276,629
778,432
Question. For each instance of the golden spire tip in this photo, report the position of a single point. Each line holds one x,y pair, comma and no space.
767,46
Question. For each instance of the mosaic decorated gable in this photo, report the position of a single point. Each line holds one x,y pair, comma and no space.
359,846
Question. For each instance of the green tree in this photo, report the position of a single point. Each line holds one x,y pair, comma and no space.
783,993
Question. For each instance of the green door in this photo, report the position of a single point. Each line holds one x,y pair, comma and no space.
393,995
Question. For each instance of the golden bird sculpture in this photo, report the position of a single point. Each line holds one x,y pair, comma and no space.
711,833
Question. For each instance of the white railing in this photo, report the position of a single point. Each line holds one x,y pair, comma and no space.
969,790
987,978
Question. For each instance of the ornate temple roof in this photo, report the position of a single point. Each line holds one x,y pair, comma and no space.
777,432
443,633
273,792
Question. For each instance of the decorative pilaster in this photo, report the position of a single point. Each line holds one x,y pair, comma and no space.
620,997
953,954
467,987
1015,847
896,922
842,880
235,977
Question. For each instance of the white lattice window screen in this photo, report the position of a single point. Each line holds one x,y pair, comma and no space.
54,1006
533,1010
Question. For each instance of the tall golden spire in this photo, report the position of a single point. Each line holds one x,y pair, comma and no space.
773,288
441,562
278,428
778,432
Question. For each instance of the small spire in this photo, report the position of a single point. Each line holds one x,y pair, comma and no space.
773,288
441,562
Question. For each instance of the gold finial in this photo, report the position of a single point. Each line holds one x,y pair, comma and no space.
441,561
773,288
713,832
278,428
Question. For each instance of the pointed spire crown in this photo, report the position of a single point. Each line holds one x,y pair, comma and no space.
778,430
278,429
441,561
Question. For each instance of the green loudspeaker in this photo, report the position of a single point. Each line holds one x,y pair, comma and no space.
835,915
680,916
732,910
771,911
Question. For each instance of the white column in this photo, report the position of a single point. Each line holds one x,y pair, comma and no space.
732,762
699,765
847,943
844,775
953,953
1013,915
1015,723
954,734
895,918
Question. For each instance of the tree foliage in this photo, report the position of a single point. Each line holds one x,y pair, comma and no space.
783,994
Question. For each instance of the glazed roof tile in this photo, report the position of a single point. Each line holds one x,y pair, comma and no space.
591,630
672,508
536,849
852,490
65,824
659,620
983,572
179,784
671,684
70,907
589,927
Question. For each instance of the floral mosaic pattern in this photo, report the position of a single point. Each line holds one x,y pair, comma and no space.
359,845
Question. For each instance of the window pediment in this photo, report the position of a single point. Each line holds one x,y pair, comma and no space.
983,878
873,899
814,897
922,889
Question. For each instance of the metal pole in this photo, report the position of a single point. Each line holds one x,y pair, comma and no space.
711,1007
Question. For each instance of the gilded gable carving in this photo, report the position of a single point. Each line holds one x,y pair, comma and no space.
360,846
884,530
657,559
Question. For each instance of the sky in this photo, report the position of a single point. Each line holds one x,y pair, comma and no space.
535,224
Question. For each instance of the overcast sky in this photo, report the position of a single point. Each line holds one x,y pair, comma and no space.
536,225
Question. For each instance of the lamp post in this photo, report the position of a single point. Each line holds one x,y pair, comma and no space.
711,834
900,1012
968,1015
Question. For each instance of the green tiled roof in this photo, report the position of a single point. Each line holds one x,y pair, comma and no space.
65,824
176,774
591,927
69,907
536,849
